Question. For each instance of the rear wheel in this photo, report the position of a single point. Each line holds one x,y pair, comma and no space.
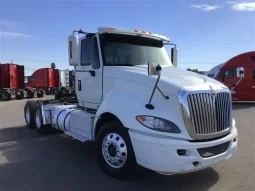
64,91
6,96
41,128
29,111
114,150
56,91
30,93
19,94
40,93
57,96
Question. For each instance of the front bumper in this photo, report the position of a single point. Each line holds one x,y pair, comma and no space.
160,154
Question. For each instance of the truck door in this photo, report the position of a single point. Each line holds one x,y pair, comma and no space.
89,74
246,89
253,86
228,77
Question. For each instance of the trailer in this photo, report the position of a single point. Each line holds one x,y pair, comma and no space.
12,83
242,88
138,107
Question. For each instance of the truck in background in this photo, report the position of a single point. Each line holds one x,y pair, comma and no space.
67,85
12,84
242,89
138,107
44,78
211,73
52,81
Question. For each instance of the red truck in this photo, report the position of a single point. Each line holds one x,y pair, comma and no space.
52,81
12,83
243,88
44,78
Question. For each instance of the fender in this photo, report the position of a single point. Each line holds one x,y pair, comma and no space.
126,105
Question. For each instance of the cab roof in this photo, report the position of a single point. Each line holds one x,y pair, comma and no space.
135,32
241,60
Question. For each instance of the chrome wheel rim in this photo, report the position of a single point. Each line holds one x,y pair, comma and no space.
114,150
27,112
38,118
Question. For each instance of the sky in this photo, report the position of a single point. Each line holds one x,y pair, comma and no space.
207,32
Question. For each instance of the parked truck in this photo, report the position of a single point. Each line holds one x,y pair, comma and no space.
138,107
44,78
242,88
67,85
12,83
52,81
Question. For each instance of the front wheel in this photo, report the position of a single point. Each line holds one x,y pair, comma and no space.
114,150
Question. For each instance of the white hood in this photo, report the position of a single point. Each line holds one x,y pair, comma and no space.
172,79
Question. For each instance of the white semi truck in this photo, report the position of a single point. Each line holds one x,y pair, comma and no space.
138,107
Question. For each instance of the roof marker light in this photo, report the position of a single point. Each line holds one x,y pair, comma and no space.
110,28
136,30
143,32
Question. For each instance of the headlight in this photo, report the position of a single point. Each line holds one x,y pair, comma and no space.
158,124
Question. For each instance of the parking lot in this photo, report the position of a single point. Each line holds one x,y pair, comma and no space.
29,161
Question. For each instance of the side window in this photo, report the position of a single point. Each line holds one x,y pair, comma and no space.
86,52
95,54
228,74
253,74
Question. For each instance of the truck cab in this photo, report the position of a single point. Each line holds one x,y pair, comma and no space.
242,86
139,107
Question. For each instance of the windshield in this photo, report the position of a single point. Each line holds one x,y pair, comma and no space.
127,50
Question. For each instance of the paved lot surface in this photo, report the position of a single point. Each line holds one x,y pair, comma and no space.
29,161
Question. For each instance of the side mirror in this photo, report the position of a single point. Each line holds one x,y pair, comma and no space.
154,70
240,72
174,56
73,50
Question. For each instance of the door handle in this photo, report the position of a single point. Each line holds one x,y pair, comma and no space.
253,87
79,85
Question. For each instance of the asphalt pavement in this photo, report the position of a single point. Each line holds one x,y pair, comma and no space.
29,161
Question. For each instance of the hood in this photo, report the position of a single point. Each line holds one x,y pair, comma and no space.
171,81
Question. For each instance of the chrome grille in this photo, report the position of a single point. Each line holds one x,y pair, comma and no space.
210,115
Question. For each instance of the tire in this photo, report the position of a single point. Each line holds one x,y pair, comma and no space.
125,157
30,93
40,93
64,91
57,96
6,96
41,128
47,91
19,95
29,113
56,91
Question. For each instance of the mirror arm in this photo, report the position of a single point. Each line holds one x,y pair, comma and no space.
149,105
234,86
168,43
166,97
